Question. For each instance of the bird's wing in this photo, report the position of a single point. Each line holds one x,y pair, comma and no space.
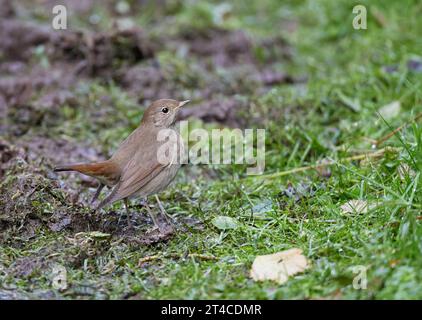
138,175
140,170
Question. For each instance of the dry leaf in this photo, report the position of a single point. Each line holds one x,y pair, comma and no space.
356,206
279,266
404,170
390,110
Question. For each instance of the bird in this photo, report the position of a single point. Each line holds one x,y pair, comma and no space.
135,170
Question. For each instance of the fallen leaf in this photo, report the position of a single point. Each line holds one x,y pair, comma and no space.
390,110
356,206
224,222
404,170
279,266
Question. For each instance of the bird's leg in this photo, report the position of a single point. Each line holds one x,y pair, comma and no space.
129,222
154,218
97,193
166,216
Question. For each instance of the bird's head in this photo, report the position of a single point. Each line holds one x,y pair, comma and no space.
162,113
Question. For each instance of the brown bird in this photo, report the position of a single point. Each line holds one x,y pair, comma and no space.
135,169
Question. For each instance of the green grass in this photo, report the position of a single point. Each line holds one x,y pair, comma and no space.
345,71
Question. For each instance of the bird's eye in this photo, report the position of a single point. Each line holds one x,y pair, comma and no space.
165,110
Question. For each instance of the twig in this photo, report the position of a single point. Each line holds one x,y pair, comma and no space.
374,154
202,256
392,133
175,256
148,259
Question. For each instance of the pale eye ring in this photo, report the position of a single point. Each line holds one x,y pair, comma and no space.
165,110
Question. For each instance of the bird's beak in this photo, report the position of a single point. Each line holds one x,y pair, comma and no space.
182,103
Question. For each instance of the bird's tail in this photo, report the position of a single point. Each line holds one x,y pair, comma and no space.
66,167
105,169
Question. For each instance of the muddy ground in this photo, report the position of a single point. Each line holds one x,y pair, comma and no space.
50,114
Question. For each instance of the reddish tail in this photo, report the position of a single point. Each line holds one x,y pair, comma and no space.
105,169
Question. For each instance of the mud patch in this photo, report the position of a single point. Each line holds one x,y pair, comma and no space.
58,150
145,82
29,200
29,36
47,153
99,53
30,97
219,63
224,48
25,267
6,9
224,111
97,50
227,48
41,70
7,153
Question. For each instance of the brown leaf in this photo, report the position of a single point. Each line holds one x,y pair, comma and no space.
356,206
404,170
390,110
279,266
